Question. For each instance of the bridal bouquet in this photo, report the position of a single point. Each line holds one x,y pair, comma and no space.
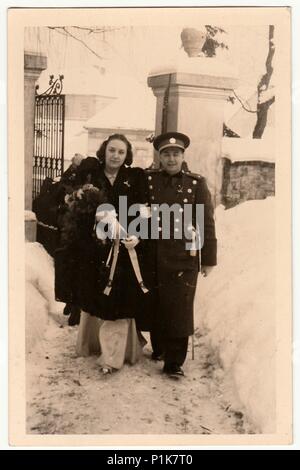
78,213
85,199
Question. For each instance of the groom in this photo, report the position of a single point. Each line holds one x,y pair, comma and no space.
177,266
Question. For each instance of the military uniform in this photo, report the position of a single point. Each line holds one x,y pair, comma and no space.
176,266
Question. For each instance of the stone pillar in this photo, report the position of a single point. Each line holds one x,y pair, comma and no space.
34,64
198,90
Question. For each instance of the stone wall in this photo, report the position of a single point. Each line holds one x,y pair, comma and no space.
246,180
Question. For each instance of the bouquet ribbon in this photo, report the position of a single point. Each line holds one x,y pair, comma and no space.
114,252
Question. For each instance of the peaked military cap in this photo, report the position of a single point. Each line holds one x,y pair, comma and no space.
171,139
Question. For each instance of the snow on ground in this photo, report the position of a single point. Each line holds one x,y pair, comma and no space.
236,308
39,293
68,395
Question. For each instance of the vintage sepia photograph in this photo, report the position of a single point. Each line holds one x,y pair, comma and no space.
152,150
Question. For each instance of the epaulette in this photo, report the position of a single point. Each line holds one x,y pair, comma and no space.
192,175
152,170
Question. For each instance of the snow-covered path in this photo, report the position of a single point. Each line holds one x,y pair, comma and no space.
68,395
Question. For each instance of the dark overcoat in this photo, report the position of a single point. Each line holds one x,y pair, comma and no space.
47,208
175,268
81,272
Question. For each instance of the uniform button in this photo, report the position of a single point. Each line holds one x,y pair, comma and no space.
158,218
152,197
149,178
185,200
159,229
180,210
177,220
194,181
176,229
150,187
154,208
189,190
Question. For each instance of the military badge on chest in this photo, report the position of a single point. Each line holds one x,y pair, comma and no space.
179,189
187,190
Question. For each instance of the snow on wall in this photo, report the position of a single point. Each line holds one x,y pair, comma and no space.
40,299
248,149
237,308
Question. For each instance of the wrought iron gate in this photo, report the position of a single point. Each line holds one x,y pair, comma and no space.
49,121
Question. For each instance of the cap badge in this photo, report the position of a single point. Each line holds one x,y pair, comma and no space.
172,140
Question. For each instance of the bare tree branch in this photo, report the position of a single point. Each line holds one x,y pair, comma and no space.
263,108
66,32
243,106
63,30
97,30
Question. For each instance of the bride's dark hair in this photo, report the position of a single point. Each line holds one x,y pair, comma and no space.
101,151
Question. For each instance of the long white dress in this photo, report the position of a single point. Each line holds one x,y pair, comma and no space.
120,342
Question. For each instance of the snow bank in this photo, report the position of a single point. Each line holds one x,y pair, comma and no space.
39,293
36,316
237,307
